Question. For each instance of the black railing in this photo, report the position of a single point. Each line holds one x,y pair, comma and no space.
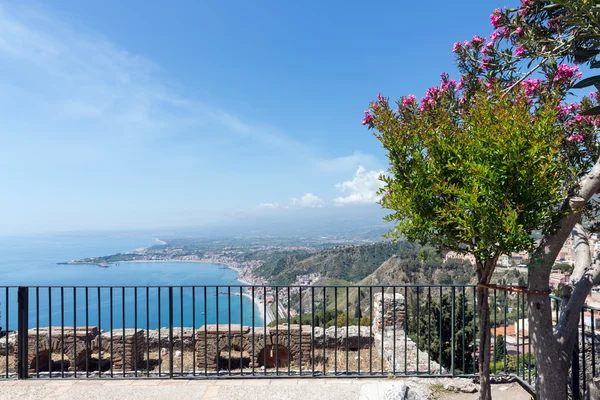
274,331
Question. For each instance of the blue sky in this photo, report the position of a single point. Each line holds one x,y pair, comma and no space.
144,114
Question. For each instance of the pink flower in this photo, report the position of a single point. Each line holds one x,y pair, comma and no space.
457,46
477,40
496,18
484,49
576,138
519,51
530,85
408,100
485,63
368,118
381,99
566,73
519,31
494,36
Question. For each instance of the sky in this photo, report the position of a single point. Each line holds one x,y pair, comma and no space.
145,114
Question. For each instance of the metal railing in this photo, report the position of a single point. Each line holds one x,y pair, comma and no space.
272,331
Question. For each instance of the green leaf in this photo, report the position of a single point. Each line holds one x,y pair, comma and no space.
591,111
595,64
584,55
587,82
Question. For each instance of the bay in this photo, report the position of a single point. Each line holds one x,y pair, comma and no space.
105,297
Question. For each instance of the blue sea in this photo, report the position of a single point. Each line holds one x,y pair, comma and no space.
31,261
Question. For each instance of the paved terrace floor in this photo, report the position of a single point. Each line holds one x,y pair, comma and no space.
238,389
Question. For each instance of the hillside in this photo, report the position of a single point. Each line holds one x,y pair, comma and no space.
350,263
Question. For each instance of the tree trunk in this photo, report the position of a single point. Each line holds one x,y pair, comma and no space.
483,309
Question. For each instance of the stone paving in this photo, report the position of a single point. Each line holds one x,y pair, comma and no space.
227,389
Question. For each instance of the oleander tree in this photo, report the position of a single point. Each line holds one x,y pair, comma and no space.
478,164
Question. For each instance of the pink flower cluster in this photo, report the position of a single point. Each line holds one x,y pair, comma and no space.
576,138
457,46
368,118
408,100
519,51
530,85
496,18
565,72
567,109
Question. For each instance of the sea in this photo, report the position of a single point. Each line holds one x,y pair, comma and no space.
127,295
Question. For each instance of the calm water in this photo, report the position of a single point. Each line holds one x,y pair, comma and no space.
32,261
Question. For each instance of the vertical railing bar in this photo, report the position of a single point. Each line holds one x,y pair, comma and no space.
253,327
22,331
324,313
517,334
463,330
241,332
348,327
382,325
528,344
289,301
359,317
405,329
123,327
62,328
429,330
205,331
335,300
111,332
394,332
312,311
370,330
440,359
50,332
181,332
495,335
583,349
37,332
505,323
418,317
38,328
171,355
159,292
276,330
453,331
194,331
265,330
474,326
229,324
593,343
301,323
148,332
99,337
135,331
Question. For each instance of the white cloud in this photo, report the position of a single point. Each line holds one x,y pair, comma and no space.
349,163
269,205
363,188
307,200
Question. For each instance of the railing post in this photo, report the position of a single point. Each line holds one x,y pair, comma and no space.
575,372
23,337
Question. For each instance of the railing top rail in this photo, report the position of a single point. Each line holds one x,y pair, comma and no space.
237,286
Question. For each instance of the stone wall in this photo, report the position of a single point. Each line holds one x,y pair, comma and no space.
387,310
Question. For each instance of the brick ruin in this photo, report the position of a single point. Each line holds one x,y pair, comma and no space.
264,347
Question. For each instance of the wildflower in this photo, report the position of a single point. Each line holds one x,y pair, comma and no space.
477,40
530,85
457,46
566,73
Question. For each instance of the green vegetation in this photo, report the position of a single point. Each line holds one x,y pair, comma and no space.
325,320
435,328
411,263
